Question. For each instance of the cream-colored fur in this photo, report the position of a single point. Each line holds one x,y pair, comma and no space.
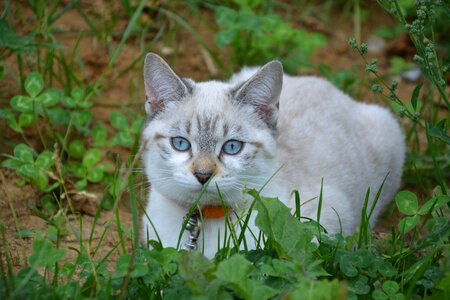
317,133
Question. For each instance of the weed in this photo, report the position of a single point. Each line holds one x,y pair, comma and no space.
257,36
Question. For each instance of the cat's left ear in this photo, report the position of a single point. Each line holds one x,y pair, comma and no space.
162,86
262,92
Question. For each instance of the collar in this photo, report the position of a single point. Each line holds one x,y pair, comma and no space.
214,212
194,224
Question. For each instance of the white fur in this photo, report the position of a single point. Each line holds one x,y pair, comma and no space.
322,134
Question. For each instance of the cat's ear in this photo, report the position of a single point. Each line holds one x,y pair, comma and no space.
162,86
262,92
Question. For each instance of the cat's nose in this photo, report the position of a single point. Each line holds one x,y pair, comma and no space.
202,177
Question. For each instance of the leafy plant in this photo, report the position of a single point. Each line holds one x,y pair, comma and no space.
287,264
35,170
256,37
126,134
420,110
88,170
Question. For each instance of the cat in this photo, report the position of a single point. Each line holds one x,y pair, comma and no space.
237,134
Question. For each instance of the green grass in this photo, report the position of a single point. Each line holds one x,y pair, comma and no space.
59,145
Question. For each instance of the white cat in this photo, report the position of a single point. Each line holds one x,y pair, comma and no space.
236,134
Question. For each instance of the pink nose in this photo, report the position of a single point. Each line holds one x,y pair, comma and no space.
202,177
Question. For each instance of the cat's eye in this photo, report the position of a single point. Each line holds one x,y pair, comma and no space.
232,147
180,144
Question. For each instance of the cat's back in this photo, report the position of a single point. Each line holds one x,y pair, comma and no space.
323,133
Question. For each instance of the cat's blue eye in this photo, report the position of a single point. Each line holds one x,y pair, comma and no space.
232,147
180,143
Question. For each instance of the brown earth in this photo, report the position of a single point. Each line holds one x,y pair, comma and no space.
188,59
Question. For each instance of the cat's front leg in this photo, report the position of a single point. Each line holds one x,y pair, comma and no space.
167,217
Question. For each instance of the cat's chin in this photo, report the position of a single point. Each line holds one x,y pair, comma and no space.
188,197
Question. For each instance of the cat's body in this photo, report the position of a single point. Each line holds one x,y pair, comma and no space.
317,133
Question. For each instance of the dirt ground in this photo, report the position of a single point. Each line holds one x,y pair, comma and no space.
188,59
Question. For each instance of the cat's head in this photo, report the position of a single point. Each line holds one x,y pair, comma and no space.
216,131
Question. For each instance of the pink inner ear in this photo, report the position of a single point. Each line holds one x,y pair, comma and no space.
265,111
156,105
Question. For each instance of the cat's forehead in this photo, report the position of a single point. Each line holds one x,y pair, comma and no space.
211,96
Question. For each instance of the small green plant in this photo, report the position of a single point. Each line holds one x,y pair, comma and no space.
88,170
344,80
37,169
256,37
287,263
32,106
49,109
126,134
422,108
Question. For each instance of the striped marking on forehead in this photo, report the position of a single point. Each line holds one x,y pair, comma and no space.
207,132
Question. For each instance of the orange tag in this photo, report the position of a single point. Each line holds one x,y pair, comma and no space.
214,212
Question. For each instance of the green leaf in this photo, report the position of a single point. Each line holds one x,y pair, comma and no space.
439,132
45,160
59,116
81,184
48,203
91,157
290,237
99,134
27,119
347,267
439,200
76,149
81,118
408,223
85,104
11,119
397,296
77,94
26,170
118,121
40,179
139,270
407,202
386,269
23,234
360,285
68,270
194,263
95,175
11,163
124,139
390,287
22,104
78,170
136,126
16,43
415,96
122,266
68,102
234,270
379,295
51,187
44,254
24,153
34,84
49,98
314,290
